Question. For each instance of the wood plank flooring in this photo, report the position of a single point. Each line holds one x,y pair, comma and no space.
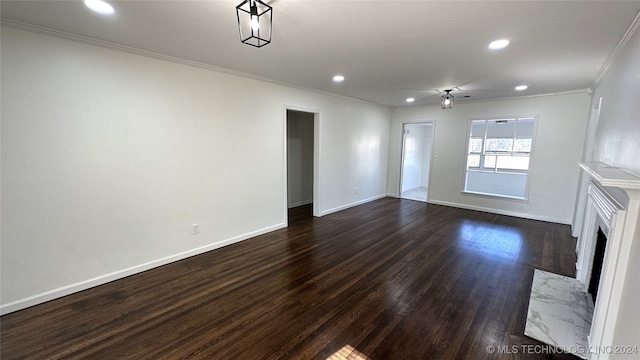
391,279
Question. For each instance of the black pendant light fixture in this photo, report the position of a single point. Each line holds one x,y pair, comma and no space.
447,100
254,22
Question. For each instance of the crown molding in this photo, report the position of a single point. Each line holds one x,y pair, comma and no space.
136,51
630,32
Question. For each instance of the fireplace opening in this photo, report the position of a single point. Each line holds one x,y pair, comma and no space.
598,259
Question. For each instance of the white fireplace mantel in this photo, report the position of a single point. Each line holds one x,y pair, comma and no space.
620,220
607,175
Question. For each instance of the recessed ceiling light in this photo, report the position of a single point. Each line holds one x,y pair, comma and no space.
99,6
521,87
410,100
499,44
338,78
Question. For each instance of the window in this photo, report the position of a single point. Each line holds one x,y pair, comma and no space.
499,156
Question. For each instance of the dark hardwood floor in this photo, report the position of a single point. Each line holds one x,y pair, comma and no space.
391,279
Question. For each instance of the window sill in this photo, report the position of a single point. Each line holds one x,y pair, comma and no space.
498,196
515,172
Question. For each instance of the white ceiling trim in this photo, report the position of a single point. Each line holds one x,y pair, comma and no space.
402,60
632,30
173,59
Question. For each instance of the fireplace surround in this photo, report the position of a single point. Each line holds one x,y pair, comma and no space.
613,205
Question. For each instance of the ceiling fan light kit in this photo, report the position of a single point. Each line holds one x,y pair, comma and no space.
254,22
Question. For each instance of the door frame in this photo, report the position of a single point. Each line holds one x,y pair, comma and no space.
402,159
317,130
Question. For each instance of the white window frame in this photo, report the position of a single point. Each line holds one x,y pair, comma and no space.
483,154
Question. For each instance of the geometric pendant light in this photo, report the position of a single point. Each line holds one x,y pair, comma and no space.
446,101
254,22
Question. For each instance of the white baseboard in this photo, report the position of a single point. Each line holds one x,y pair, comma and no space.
300,203
103,279
502,212
360,202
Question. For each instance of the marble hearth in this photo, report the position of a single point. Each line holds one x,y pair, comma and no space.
559,313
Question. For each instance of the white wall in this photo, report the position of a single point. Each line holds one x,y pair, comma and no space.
513,185
299,158
554,170
109,157
617,142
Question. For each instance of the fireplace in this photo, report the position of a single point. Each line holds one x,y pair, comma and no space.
560,311
596,267
611,217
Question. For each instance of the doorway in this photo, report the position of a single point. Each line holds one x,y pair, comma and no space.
417,147
301,164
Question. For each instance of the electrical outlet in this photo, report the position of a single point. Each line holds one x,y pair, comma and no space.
356,191
195,229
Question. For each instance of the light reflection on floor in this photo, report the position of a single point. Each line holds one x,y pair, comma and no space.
347,352
485,239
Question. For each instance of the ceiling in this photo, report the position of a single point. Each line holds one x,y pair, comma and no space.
386,50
